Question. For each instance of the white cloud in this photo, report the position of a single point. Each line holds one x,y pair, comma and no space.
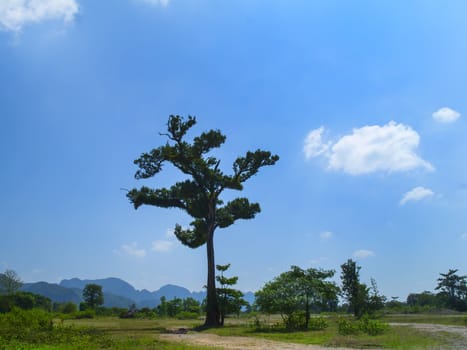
162,245
446,115
464,236
416,194
326,235
314,145
133,250
14,14
163,3
387,148
363,253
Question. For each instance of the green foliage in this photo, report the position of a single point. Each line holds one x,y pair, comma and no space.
93,296
364,325
346,326
186,315
199,195
453,290
230,300
65,308
318,323
9,282
372,327
354,292
85,314
23,300
295,293
188,308
34,329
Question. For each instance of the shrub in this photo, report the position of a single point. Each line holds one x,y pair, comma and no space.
85,314
317,323
372,327
186,315
346,327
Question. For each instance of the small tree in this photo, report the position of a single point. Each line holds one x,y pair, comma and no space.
230,300
293,294
200,195
9,282
93,295
355,292
454,288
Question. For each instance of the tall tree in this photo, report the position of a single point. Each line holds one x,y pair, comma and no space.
9,282
199,195
93,295
355,292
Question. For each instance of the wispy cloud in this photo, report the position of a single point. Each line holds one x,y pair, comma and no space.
446,115
363,253
416,194
387,148
15,14
162,245
133,250
313,145
464,236
326,235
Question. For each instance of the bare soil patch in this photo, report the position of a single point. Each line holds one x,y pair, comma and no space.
238,343
459,341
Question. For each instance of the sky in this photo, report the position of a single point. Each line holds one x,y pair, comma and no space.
363,101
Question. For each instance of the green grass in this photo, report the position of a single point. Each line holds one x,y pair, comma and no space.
115,334
394,338
454,320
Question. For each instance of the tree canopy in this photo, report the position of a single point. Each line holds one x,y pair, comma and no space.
298,291
200,194
93,295
10,282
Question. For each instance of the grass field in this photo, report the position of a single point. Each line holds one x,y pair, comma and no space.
393,338
115,333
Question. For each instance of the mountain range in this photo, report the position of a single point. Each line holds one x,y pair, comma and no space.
117,292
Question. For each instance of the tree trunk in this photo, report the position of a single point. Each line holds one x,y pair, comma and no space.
212,307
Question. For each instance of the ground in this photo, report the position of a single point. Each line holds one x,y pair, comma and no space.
458,341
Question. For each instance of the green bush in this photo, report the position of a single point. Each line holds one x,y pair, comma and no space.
34,329
186,315
365,325
347,327
295,321
372,327
85,314
317,323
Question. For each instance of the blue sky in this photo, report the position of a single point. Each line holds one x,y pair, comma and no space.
362,100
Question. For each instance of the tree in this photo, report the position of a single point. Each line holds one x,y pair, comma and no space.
9,282
230,300
93,295
454,288
199,195
355,292
298,291
313,288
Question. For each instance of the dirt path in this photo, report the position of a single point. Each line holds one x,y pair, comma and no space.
458,342
238,343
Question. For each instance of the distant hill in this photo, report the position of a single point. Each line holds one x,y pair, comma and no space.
52,291
117,292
